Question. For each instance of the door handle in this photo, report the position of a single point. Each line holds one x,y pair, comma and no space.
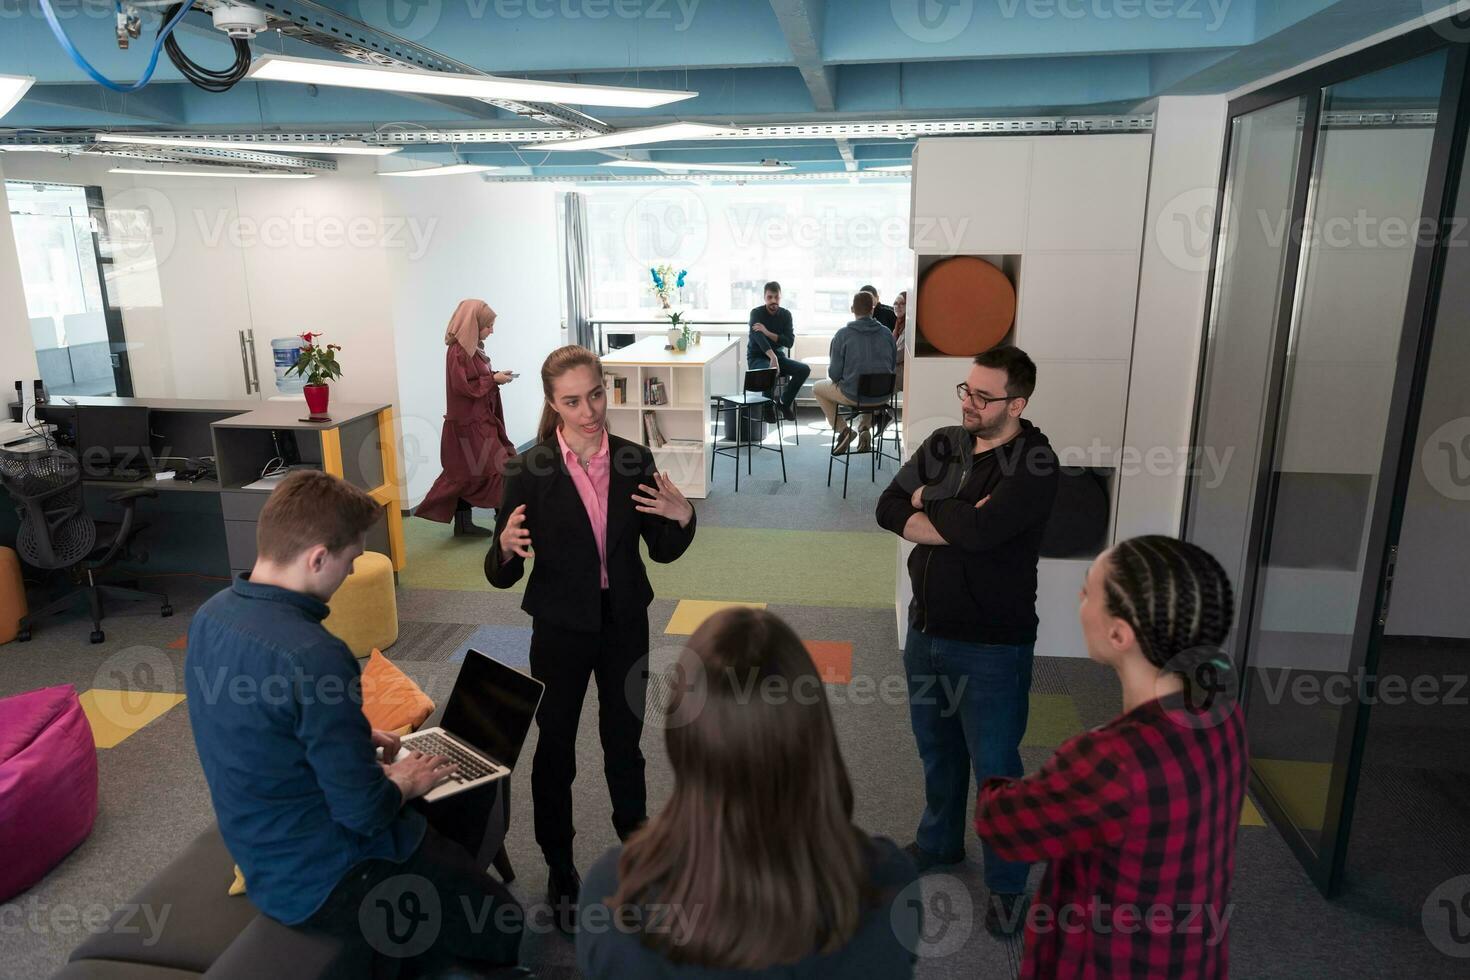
253,379
1393,560
244,361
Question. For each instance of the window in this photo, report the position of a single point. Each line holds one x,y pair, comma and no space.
820,242
64,293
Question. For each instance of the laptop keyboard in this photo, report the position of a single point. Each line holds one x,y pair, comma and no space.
432,743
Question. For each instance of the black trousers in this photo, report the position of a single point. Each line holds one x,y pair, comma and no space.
563,660
434,910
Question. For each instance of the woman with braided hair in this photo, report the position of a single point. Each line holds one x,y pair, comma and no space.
1137,818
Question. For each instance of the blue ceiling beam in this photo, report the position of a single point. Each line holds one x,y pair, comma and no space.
86,105
994,86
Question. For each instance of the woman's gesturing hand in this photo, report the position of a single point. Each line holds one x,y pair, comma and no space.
515,539
665,500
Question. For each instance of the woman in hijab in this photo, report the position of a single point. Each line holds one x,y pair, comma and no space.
474,447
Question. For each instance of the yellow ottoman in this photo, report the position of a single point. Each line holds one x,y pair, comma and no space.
365,609
12,595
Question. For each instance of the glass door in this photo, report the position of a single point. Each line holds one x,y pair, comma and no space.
1331,210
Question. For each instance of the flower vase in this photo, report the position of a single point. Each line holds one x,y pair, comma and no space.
316,398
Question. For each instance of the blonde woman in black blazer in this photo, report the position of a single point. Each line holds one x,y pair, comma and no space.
586,498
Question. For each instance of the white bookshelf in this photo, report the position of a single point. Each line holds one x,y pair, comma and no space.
689,379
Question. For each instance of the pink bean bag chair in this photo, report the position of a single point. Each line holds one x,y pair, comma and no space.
48,784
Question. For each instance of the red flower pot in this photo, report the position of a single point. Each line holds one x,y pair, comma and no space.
316,398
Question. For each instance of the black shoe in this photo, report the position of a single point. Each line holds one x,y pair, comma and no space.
623,835
563,889
924,860
788,414
1005,913
464,527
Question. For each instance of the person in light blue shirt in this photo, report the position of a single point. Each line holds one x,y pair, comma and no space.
316,823
864,346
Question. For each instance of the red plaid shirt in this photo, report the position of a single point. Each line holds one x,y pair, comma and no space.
1138,821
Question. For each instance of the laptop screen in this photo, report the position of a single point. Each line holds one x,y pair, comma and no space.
492,706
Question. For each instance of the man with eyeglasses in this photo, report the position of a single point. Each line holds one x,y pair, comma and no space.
974,499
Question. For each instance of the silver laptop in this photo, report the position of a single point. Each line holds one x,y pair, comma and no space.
484,726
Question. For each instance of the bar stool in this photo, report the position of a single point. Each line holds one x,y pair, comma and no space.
875,391
750,405
892,427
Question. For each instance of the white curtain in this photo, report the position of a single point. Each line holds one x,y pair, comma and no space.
578,266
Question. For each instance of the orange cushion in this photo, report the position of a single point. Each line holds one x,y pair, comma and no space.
390,699
12,595
966,305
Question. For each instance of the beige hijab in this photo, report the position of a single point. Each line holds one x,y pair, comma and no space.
464,327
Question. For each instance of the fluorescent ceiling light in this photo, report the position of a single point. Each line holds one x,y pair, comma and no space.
636,137
12,88
311,71
897,168
209,173
189,142
448,170
669,166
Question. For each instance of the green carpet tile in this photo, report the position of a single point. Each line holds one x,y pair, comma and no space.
848,569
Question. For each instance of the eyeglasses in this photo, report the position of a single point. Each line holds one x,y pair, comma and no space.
975,398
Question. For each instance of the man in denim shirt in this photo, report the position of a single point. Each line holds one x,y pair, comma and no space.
317,824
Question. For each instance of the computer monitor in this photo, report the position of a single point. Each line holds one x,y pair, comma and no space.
113,438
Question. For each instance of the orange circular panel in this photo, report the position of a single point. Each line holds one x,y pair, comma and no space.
966,305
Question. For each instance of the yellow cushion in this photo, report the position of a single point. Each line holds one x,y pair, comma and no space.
237,887
390,698
364,612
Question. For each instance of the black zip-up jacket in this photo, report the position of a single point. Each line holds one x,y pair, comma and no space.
981,586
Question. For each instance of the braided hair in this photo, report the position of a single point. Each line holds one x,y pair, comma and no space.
1178,600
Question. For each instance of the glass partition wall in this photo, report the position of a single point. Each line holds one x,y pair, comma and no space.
1329,243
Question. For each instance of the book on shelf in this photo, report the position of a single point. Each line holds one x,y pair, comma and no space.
653,436
654,392
616,387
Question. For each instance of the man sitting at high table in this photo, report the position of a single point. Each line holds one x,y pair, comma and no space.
316,823
771,337
862,347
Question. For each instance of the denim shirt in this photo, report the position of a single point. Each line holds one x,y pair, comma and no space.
276,706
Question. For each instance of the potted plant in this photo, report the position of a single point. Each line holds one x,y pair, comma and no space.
317,363
665,282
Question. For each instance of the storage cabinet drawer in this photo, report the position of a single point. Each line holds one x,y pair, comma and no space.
242,505
240,539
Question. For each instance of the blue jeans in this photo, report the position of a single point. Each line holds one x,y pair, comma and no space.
968,703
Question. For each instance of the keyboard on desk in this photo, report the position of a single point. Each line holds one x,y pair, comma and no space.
119,476
470,767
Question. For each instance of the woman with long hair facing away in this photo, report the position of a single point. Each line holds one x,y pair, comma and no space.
1137,819
473,448
583,498
754,866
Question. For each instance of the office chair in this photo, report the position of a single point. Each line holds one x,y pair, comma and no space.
56,533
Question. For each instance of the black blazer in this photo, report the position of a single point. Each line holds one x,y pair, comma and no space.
565,581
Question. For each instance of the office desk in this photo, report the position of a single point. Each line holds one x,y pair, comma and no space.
208,526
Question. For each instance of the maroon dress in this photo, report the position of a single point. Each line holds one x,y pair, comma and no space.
473,448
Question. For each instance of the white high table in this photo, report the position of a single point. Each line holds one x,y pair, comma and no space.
689,380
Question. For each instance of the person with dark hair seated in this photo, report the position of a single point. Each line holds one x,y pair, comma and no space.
1141,814
769,346
317,824
754,868
882,312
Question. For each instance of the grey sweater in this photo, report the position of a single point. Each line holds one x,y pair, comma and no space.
862,347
